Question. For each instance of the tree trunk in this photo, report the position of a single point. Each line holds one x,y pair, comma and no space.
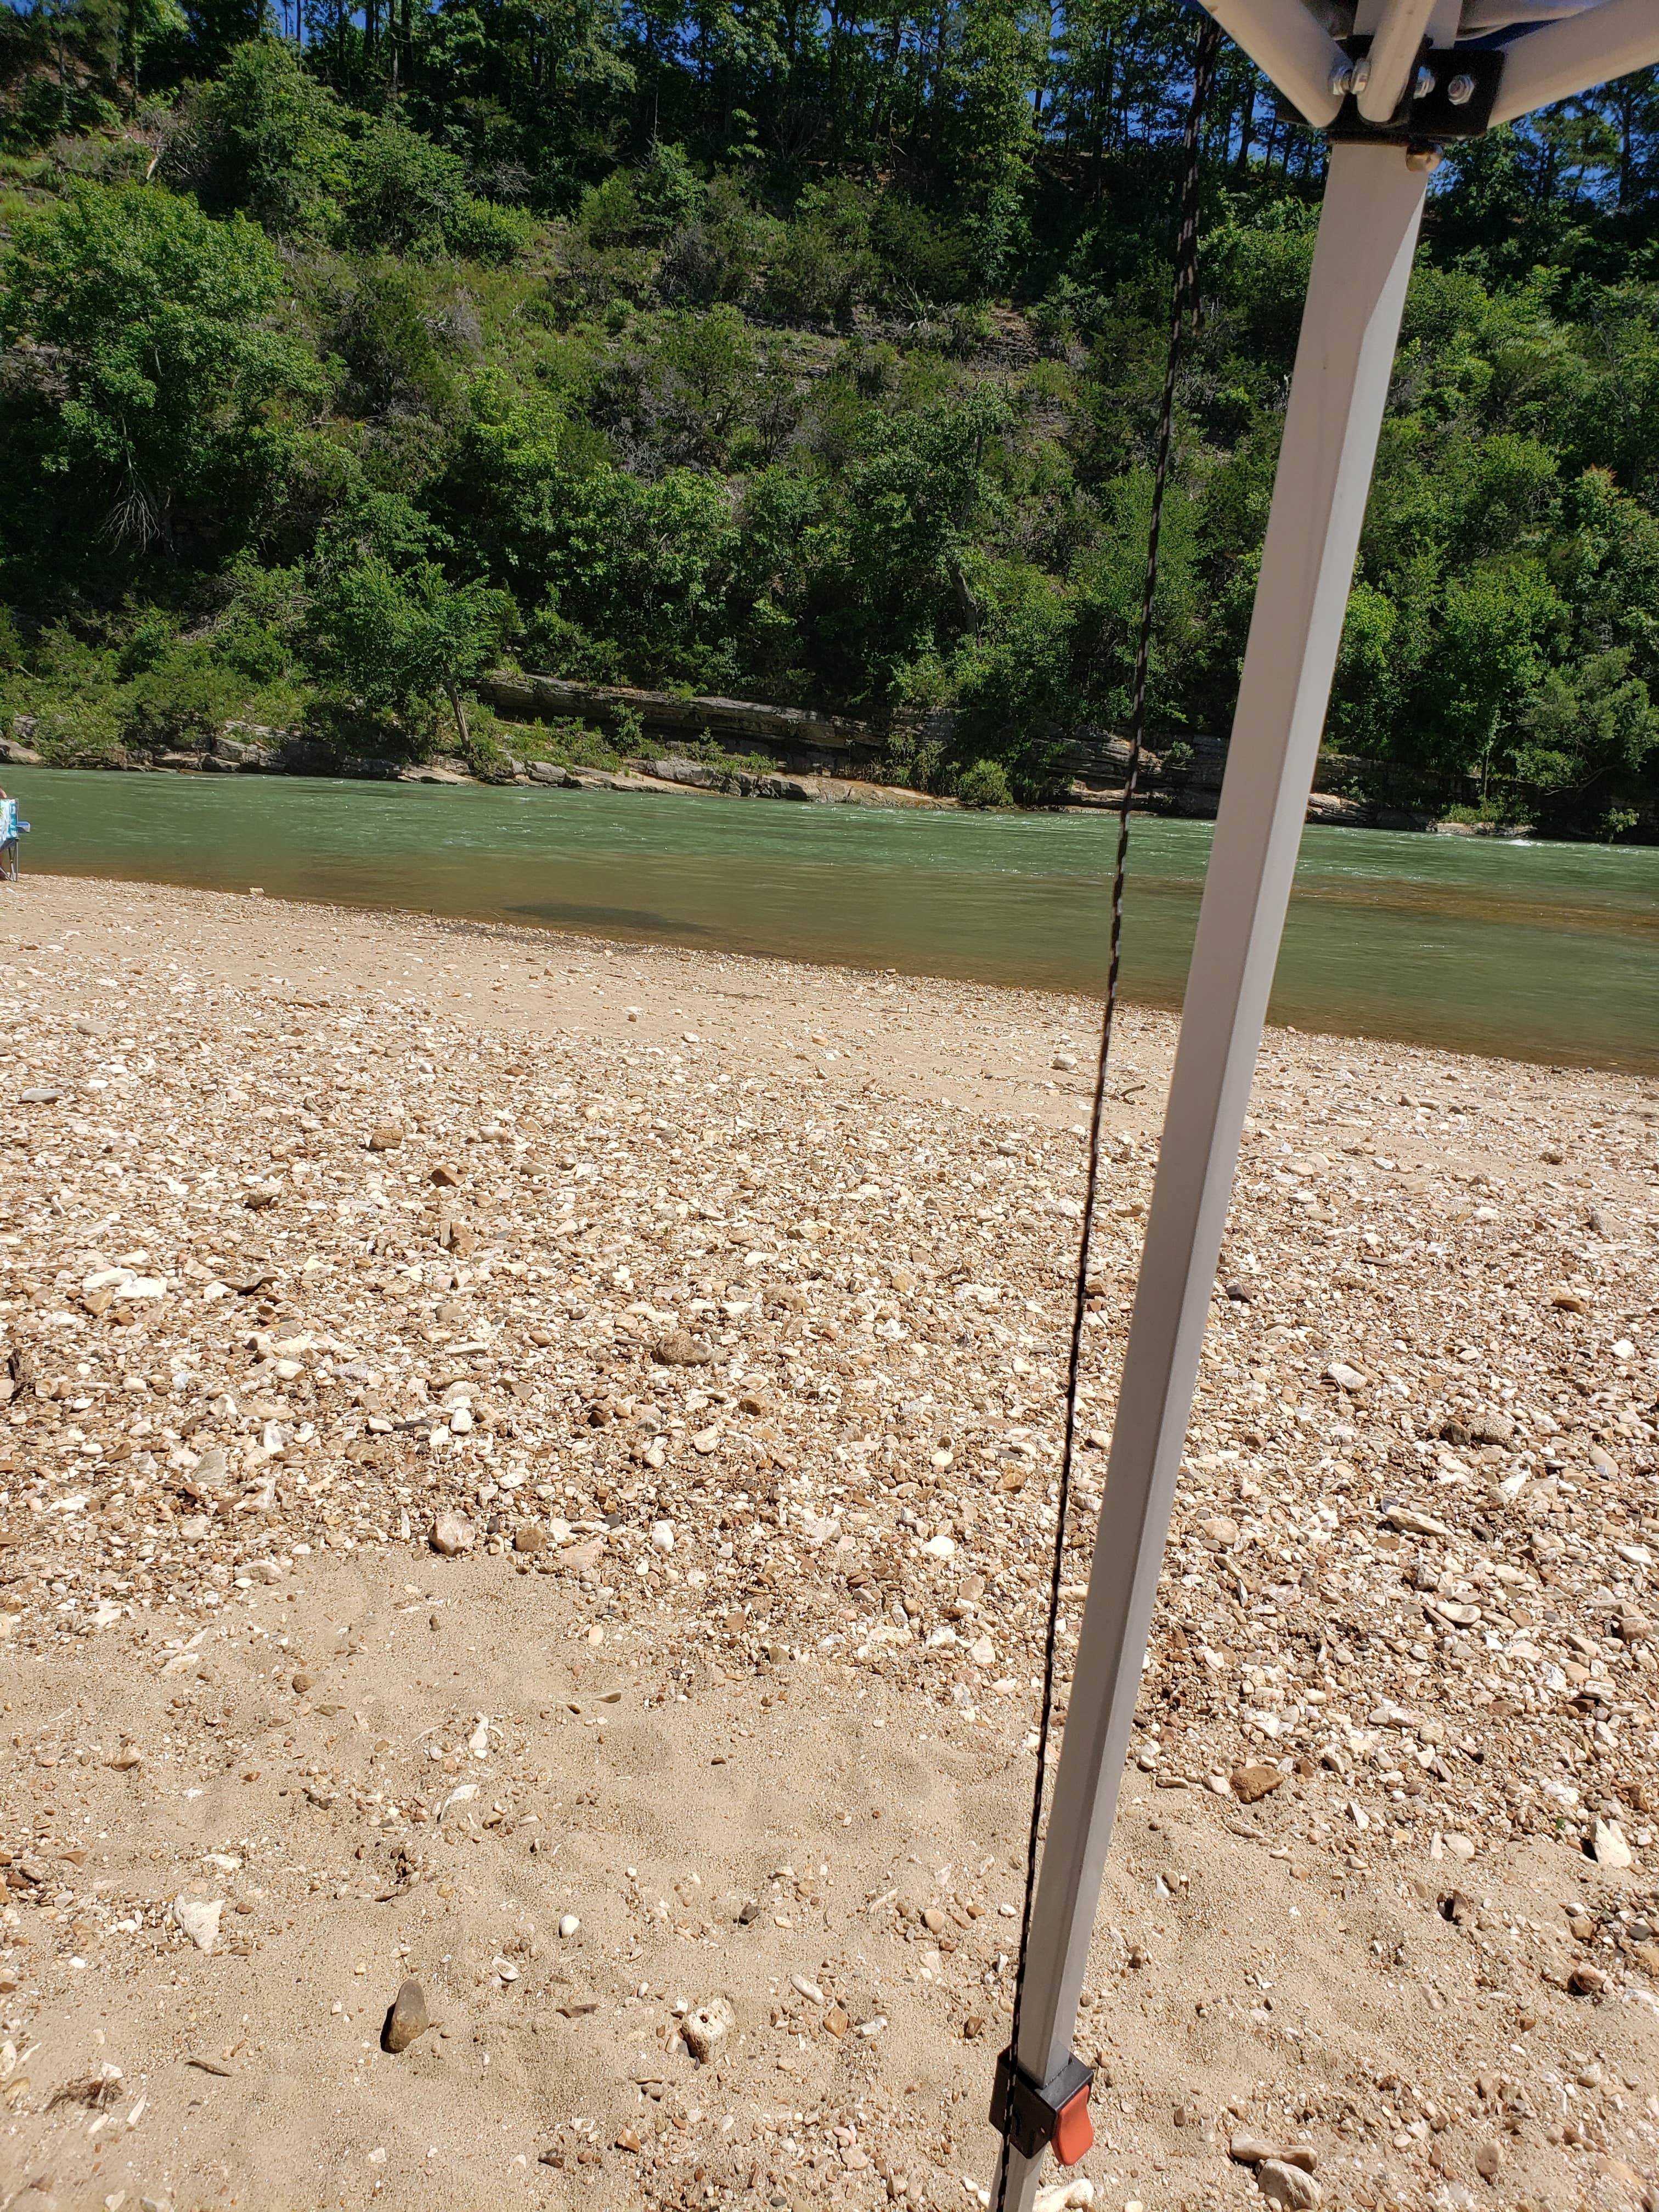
453,689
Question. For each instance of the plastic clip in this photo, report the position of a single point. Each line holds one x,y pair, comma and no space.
1036,2116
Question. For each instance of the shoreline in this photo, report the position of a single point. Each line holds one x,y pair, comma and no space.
735,1350
677,775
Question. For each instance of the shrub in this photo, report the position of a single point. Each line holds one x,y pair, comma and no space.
484,231
77,733
985,784
405,195
824,266
182,701
386,343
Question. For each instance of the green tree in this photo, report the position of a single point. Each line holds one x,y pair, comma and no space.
394,637
157,387
406,195
267,138
1587,734
1490,653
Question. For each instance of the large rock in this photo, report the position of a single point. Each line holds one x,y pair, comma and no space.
667,714
245,749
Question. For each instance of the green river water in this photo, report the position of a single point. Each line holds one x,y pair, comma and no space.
1532,950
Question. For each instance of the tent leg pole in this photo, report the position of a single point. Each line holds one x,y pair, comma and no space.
1350,328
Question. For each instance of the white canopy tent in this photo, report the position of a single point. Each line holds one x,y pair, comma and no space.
1410,75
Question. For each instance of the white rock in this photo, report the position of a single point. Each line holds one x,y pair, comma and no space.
452,1533
711,2023
810,1990
1066,2197
940,1547
1609,1845
1287,2186
200,1918
478,1742
569,1924
1412,1523
662,1535
1345,1378
983,1651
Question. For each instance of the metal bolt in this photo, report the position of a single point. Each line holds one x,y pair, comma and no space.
1341,80
1461,90
1423,84
1361,74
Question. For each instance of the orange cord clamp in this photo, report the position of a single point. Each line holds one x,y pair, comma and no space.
1053,2116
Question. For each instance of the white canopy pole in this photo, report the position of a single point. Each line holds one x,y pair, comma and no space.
1566,58
1356,295
1284,41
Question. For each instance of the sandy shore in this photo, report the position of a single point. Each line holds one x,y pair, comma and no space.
714,1308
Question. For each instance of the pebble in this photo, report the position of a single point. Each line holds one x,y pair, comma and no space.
453,1534
531,1537
708,2025
1251,1783
679,1348
1496,1466
408,2019
569,1924
1074,2195
199,1919
1287,2186
1608,1842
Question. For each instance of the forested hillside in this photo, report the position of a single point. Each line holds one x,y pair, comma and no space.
799,355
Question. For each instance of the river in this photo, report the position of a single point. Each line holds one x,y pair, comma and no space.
1538,952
